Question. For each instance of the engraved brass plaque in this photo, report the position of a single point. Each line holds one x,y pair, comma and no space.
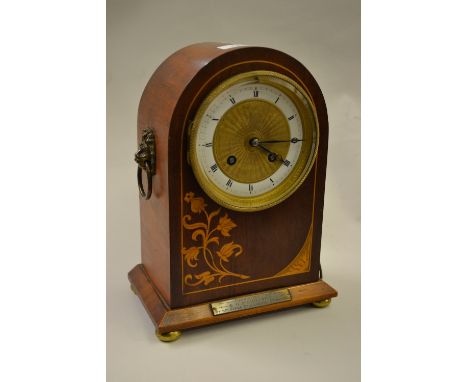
251,301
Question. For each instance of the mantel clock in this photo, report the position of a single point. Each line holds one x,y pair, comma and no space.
231,174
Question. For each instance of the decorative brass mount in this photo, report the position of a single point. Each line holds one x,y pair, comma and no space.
146,159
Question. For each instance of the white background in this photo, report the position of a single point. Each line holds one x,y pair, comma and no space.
295,344
52,244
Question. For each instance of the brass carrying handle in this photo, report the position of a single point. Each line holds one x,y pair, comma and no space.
146,160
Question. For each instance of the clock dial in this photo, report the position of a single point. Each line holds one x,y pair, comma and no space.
254,140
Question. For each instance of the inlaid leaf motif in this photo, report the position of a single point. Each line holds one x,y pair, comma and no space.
213,214
205,277
191,256
197,233
185,222
213,239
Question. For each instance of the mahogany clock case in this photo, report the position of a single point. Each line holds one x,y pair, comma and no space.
280,246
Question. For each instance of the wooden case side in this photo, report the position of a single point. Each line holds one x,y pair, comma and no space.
155,111
148,294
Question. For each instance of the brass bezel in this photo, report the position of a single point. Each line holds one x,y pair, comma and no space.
286,188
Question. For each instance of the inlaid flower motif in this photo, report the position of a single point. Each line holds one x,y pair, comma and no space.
229,249
225,225
188,197
197,204
208,238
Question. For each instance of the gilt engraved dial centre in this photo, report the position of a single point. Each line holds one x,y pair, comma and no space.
239,132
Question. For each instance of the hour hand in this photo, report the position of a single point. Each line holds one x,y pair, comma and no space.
272,156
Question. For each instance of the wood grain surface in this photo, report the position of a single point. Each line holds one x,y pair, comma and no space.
272,238
167,320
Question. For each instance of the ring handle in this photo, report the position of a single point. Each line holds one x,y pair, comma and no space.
146,160
149,178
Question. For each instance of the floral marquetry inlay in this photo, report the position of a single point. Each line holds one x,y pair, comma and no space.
301,263
209,259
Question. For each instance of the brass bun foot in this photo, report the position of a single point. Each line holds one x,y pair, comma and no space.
169,336
132,287
322,303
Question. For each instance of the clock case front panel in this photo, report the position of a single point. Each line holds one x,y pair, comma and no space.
249,251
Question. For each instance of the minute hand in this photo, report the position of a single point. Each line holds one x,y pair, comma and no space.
292,140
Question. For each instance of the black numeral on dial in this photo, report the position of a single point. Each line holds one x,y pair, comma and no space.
214,167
